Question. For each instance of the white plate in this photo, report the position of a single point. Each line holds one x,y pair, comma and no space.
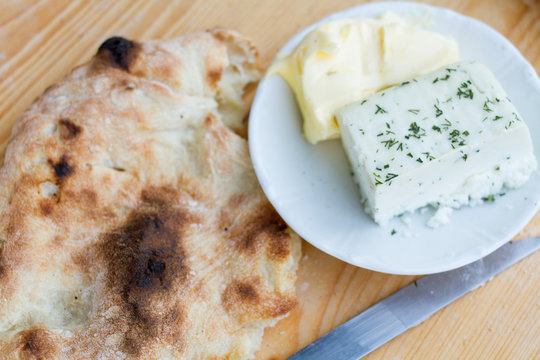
311,187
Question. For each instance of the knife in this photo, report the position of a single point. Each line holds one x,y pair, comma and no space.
411,305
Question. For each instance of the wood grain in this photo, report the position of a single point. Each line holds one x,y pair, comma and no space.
40,41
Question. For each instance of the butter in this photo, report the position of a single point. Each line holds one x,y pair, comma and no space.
344,61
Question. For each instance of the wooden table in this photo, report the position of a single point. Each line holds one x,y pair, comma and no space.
40,41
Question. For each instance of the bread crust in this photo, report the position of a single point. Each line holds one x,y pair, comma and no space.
133,225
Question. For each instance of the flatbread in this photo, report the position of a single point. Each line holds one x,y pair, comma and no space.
133,225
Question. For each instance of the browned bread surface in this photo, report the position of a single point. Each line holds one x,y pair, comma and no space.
132,224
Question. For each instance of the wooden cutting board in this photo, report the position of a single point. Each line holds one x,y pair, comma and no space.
40,41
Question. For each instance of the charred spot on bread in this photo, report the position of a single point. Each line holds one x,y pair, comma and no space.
36,344
262,230
147,252
247,299
146,264
68,129
2,265
265,221
241,293
246,291
119,51
213,76
46,207
61,168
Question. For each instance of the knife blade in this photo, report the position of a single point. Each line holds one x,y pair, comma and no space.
411,305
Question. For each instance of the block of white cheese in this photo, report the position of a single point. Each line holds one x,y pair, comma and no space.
346,60
449,138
